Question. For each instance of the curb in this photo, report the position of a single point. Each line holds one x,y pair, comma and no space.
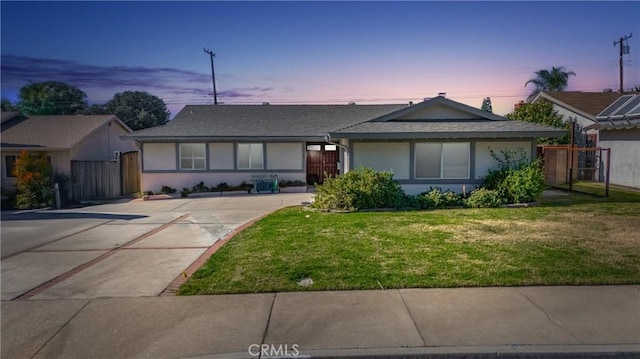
622,351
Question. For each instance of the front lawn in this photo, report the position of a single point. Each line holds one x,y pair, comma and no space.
571,239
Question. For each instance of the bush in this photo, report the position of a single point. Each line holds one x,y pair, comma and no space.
168,190
33,181
362,188
200,187
435,198
484,198
515,179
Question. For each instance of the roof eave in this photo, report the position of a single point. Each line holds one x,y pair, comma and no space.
222,138
448,135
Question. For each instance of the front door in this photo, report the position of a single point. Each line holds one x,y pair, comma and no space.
322,161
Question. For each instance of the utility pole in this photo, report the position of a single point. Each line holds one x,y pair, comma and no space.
213,76
623,50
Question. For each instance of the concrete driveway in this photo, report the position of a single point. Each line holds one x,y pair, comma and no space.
130,249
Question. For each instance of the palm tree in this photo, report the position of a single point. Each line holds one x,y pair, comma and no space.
555,80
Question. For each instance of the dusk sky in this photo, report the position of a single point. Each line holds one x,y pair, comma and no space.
316,52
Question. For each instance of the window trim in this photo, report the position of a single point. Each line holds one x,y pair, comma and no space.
415,162
192,157
9,171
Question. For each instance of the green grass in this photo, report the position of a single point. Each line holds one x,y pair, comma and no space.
572,239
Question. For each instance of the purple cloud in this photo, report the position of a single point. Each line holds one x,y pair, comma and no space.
171,84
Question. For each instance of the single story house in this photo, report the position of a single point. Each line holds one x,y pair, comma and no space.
619,128
63,138
582,107
438,142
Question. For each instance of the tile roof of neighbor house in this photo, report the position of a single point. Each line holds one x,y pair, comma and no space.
49,132
588,103
256,121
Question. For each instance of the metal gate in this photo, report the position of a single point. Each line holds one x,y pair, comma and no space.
564,165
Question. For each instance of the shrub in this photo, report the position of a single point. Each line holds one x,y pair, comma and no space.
168,190
515,179
222,186
185,192
435,198
362,188
484,198
200,187
33,181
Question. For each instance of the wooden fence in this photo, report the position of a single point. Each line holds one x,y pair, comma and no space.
105,179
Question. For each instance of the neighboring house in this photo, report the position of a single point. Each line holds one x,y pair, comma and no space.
63,138
438,142
619,127
583,107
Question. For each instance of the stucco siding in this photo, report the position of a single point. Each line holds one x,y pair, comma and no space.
154,181
483,159
580,120
159,156
384,156
101,144
284,156
625,155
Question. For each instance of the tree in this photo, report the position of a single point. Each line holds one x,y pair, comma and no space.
555,80
541,112
138,109
33,180
7,106
51,98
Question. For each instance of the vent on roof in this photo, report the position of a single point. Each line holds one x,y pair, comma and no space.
442,94
352,103
265,104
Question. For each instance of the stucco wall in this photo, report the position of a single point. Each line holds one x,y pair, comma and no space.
625,155
580,120
177,180
102,143
484,160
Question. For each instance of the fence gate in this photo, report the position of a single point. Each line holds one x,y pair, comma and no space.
130,172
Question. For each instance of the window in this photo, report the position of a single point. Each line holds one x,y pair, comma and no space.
250,156
442,160
330,147
193,156
9,162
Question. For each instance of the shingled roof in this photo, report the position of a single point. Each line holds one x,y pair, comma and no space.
262,121
588,104
444,119
50,132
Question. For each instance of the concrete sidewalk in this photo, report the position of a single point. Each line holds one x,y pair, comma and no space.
467,322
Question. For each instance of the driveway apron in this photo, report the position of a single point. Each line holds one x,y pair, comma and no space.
130,249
